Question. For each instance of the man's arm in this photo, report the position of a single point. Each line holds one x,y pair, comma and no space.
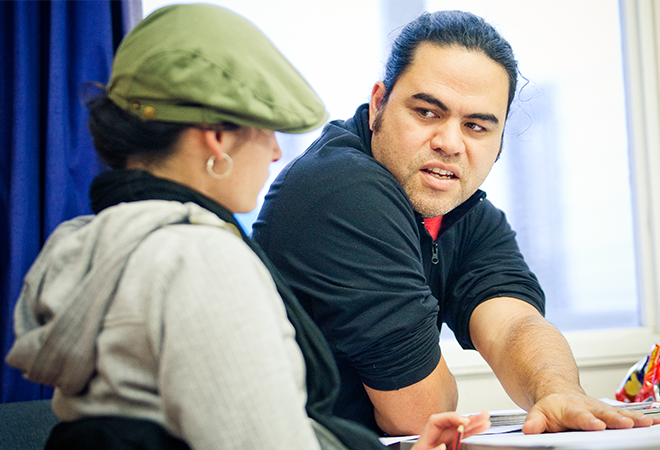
535,365
405,411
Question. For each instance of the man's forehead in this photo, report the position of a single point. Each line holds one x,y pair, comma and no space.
437,72
442,51
429,54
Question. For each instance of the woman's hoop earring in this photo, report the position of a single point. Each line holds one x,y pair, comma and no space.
225,174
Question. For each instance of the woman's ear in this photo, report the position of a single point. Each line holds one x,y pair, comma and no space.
213,139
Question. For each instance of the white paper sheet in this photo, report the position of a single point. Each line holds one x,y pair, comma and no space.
630,439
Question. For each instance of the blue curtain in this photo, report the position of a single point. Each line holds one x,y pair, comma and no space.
47,161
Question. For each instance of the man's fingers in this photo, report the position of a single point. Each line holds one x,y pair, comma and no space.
586,421
639,419
571,419
615,419
535,423
621,418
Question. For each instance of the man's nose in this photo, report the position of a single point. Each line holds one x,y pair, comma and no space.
448,138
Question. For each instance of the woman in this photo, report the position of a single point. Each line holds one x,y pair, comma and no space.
157,320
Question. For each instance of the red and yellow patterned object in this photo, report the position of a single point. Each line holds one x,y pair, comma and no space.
642,383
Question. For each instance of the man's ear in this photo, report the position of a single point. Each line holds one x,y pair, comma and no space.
376,101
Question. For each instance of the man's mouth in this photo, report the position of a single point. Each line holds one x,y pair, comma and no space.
441,174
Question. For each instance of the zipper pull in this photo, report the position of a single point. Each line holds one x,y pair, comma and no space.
434,257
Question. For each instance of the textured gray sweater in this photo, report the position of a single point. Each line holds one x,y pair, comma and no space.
158,310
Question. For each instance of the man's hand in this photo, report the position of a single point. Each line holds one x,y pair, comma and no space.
561,412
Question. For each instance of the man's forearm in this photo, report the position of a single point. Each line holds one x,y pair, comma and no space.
528,354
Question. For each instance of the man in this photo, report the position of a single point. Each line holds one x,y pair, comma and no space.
383,234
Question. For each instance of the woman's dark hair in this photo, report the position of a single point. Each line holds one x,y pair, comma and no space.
119,135
449,28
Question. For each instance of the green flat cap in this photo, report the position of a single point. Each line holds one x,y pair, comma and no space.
200,63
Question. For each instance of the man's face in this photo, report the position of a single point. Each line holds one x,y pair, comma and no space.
440,131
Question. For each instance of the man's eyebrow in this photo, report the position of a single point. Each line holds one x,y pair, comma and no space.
484,116
434,101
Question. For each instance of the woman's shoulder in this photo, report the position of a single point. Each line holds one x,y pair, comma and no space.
169,233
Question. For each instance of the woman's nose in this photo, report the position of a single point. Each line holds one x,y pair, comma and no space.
277,152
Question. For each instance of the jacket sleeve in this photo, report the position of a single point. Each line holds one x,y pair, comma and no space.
349,247
483,262
231,374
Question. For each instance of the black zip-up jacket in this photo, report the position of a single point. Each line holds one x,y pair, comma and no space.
341,230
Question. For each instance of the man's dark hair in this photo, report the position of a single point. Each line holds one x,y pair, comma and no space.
449,28
118,135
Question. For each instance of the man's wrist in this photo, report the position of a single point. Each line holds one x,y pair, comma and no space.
558,391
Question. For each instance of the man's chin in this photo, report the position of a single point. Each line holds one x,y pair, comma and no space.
435,203
427,210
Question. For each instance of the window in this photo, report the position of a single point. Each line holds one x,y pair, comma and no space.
564,179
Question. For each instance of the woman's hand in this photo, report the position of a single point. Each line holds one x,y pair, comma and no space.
440,429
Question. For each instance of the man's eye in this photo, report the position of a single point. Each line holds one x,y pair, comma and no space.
475,127
426,113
